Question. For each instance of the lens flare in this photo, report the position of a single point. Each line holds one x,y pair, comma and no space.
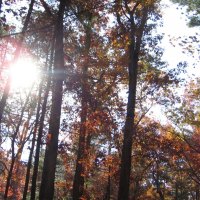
24,73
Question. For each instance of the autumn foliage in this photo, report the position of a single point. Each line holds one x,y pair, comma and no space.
106,118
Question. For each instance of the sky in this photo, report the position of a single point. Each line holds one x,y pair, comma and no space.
175,28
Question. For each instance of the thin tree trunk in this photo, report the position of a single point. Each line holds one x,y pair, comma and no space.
108,192
79,180
108,188
4,98
33,143
13,147
9,178
197,193
49,167
78,184
129,130
157,181
16,56
41,125
38,145
23,138
0,5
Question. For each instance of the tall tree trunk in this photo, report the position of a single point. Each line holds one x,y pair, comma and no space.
79,180
129,130
33,143
49,167
16,56
41,125
78,184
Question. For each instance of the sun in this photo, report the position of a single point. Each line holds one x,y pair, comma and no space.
24,73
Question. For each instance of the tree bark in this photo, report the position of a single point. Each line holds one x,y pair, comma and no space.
49,167
33,144
41,125
129,130
79,179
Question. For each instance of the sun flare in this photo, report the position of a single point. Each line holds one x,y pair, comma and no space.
24,73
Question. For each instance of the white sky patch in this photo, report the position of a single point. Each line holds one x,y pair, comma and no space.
175,27
157,114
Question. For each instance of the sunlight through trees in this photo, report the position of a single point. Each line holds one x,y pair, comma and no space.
90,107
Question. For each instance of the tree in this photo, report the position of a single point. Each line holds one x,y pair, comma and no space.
48,176
137,19
86,19
33,142
41,124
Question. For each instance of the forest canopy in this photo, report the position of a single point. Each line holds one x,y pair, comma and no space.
91,106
